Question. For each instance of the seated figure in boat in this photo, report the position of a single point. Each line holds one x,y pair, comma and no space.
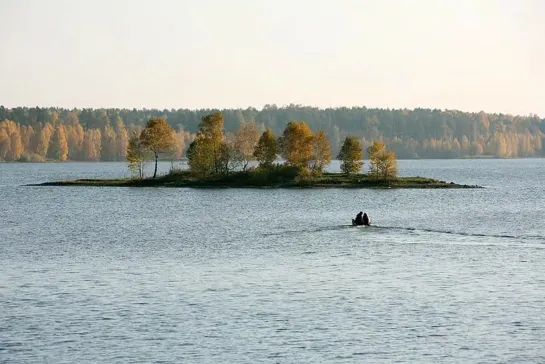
366,220
361,219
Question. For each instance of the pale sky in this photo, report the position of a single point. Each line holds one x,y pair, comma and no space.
469,55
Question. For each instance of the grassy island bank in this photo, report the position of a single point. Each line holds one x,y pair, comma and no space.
264,179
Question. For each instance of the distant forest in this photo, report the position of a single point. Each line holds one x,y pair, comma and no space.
39,134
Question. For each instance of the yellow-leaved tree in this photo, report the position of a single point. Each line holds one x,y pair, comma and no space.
158,137
351,155
207,151
137,154
231,158
296,144
16,145
321,152
58,146
382,162
11,147
5,144
179,141
121,139
27,133
91,145
200,155
246,139
75,136
388,165
108,143
43,140
265,150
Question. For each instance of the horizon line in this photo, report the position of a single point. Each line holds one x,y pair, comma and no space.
278,106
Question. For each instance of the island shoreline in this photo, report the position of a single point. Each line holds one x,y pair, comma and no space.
247,180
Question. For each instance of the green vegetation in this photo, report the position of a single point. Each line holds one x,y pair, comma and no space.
207,152
37,134
351,155
266,149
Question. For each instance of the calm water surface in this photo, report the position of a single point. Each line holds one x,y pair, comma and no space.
149,275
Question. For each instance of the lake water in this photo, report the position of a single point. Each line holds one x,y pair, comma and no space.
162,275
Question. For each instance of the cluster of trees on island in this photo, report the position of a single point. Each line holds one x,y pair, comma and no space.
214,152
39,134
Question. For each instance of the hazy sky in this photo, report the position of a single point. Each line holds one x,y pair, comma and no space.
461,54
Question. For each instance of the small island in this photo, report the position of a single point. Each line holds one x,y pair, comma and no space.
257,179
219,160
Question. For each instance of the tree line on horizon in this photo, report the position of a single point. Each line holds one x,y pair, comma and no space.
38,134
67,140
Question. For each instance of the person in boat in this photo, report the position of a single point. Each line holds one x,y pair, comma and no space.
359,219
365,219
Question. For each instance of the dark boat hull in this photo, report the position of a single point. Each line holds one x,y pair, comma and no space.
354,223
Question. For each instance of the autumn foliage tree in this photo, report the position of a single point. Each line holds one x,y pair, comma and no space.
211,130
58,148
231,158
296,144
351,155
205,153
27,134
372,153
137,154
321,152
387,165
382,162
157,137
108,142
200,155
266,149
121,140
246,139
92,143
75,135
43,140
16,146
11,144
179,142
5,144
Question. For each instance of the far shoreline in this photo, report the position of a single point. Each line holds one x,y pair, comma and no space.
482,157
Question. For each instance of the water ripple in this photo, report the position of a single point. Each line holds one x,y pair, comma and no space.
274,276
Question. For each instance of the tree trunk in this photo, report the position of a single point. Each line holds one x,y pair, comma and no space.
155,171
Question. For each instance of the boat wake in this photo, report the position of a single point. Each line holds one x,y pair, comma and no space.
373,229
459,233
